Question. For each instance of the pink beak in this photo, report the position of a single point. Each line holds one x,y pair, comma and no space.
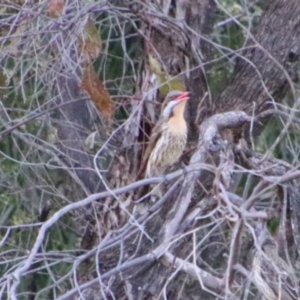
184,96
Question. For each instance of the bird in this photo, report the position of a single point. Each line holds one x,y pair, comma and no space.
169,136
273,277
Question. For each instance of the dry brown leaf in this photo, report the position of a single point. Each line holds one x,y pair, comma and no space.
90,43
96,90
56,8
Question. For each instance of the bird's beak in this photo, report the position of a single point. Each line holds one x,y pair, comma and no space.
184,96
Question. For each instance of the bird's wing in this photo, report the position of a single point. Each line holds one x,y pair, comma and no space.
155,135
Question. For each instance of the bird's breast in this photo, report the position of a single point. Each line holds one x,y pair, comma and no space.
177,127
166,152
171,148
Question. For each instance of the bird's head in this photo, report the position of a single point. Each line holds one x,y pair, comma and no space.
175,103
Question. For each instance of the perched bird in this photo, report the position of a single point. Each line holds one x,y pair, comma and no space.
168,138
273,277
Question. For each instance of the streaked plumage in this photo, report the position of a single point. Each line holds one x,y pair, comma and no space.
168,138
273,277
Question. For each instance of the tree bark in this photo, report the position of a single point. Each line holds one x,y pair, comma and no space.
266,70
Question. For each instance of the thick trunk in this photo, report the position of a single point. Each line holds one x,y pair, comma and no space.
266,70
